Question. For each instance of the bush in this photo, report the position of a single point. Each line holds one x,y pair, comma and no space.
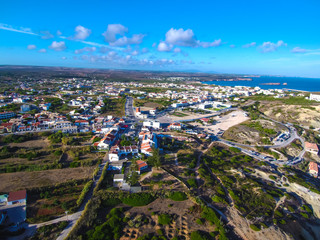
199,221
138,199
272,177
235,150
198,235
192,183
255,227
282,221
164,219
178,196
85,190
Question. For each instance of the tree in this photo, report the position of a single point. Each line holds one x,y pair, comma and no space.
156,159
65,140
134,178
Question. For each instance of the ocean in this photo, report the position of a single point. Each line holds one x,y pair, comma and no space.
293,83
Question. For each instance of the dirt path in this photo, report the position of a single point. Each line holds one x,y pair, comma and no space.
146,175
281,201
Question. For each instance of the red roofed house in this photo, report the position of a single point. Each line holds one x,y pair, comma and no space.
17,197
205,120
142,166
311,147
175,126
313,169
149,140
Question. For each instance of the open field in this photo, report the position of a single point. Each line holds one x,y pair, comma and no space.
254,132
188,116
37,143
225,122
48,202
179,114
305,115
25,180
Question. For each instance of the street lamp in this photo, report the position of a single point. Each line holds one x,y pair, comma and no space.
66,212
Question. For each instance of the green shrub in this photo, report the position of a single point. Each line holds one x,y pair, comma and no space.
235,150
192,182
272,177
198,235
291,209
307,208
164,219
178,196
199,221
282,221
138,199
255,227
84,192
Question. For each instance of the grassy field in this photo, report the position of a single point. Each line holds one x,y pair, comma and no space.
179,114
114,107
152,103
37,152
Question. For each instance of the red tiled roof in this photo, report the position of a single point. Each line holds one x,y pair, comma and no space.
141,164
204,119
312,146
15,196
313,166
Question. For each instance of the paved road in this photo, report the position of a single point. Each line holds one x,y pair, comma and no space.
129,107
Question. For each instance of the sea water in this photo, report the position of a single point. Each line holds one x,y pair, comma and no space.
293,83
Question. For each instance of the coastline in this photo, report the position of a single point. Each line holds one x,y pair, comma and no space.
284,83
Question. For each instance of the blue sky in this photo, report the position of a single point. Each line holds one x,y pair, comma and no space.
246,37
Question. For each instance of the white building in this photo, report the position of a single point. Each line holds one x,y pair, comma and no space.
152,123
315,97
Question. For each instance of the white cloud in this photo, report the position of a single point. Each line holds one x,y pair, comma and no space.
248,45
135,53
58,46
186,38
59,33
31,47
112,31
19,30
177,50
46,35
164,47
271,47
63,58
298,50
42,50
112,54
135,39
81,33
181,37
215,43
85,49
